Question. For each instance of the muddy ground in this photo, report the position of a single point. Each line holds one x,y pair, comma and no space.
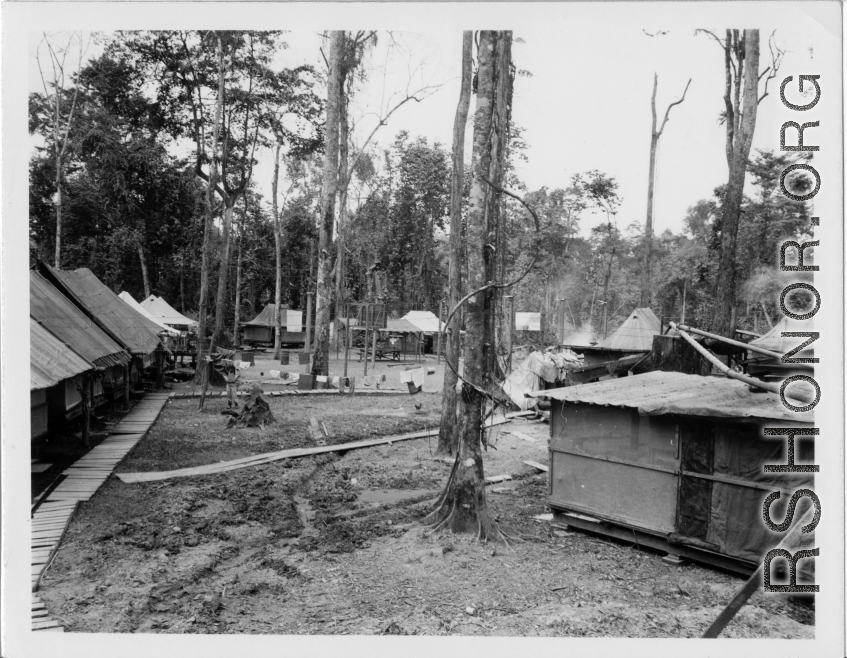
332,544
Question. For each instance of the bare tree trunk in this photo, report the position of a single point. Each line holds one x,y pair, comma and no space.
58,257
219,337
462,507
323,302
766,314
739,140
655,134
448,437
340,259
237,320
144,273
209,221
277,252
182,282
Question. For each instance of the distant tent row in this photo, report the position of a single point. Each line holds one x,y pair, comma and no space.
79,327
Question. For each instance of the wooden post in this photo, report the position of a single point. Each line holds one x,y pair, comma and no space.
308,343
127,369
87,386
561,321
440,313
510,323
367,335
374,335
347,334
160,376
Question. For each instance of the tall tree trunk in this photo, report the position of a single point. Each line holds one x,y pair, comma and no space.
209,221
277,253
219,336
323,303
58,256
462,507
647,248
182,282
739,139
237,320
448,436
144,275
340,259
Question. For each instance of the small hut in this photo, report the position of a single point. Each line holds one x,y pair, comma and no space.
674,462
428,326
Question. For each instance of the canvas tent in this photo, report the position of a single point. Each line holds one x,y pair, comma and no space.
165,313
52,365
260,329
130,301
675,461
635,334
425,321
776,342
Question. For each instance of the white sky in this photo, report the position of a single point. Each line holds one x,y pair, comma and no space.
581,109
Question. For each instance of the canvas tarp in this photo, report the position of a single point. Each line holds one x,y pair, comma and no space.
50,360
138,333
70,325
635,334
130,301
535,368
164,312
290,320
425,321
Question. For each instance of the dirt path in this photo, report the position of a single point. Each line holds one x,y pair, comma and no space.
331,544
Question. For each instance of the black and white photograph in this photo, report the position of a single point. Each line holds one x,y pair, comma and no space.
361,320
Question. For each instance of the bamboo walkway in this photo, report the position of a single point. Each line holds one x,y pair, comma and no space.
81,481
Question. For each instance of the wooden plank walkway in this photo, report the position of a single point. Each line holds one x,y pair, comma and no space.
82,480
276,394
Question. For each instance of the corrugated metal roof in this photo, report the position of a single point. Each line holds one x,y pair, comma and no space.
658,393
70,325
635,334
50,360
138,333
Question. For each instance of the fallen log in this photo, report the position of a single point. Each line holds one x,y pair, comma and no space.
267,457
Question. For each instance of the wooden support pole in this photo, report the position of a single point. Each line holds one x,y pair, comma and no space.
374,336
367,335
510,323
347,335
160,376
127,377
440,314
308,343
737,343
87,386
751,381
561,321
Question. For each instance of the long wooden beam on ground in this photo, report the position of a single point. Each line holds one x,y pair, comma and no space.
265,458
